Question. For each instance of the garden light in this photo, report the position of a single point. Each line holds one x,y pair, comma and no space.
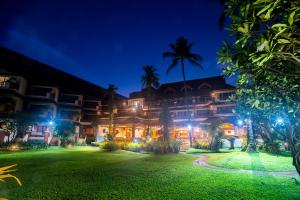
240,122
279,121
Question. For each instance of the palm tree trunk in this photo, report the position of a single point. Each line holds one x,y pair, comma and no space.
149,113
186,100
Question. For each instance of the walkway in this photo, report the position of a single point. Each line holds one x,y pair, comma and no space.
202,161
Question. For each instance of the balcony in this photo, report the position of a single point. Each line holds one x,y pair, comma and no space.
69,115
41,92
70,99
42,110
10,82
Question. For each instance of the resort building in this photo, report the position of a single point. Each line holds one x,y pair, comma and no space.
35,89
208,102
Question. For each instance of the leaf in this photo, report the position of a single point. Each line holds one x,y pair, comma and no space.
264,9
283,41
279,33
291,18
256,104
279,25
260,1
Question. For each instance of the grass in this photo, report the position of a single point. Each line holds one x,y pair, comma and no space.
255,161
86,173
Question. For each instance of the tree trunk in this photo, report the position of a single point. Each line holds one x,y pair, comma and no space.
186,101
295,150
149,113
251,145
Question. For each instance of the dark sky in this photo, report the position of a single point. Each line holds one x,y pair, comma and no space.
109,41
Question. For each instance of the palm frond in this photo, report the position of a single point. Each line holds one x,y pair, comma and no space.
169,54
173,65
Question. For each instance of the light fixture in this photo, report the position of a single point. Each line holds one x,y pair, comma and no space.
50,122
189,127
279,121
240,122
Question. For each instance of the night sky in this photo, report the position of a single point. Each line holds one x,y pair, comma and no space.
109,41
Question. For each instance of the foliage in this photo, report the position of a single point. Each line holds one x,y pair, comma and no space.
109,146
162,147
4,174
150,81
216,134
201,145
165,119
64,130
112,110
272,147
181,51
35,144
264,54
135,147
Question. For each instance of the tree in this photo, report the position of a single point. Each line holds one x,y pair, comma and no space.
64,129
216,134
150,81
264,53
181,52
165,118
111,91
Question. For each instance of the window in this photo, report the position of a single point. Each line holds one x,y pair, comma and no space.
225,96
226,109
201,113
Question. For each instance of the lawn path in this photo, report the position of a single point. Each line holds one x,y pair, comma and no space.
202,161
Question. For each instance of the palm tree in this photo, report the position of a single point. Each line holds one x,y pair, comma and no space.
150,80
111,91
181,52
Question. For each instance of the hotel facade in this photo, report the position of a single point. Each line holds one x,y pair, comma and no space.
30,87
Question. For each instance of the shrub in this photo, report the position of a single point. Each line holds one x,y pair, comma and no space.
135,147
122,145
175,146
35,144
161,147
200,145
66,142
272,147
109,146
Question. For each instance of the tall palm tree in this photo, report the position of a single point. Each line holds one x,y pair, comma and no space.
111,91
150,80
181,52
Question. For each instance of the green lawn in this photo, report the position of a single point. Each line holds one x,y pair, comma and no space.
256,161
85,173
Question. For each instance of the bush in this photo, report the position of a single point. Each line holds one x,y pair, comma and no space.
200,145
122,145
35,144
160,147
175,146
109,146
272,147
135,147
66,142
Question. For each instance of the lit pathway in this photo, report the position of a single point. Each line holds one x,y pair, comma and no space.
202,161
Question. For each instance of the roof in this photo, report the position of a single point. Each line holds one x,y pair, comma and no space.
39,73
